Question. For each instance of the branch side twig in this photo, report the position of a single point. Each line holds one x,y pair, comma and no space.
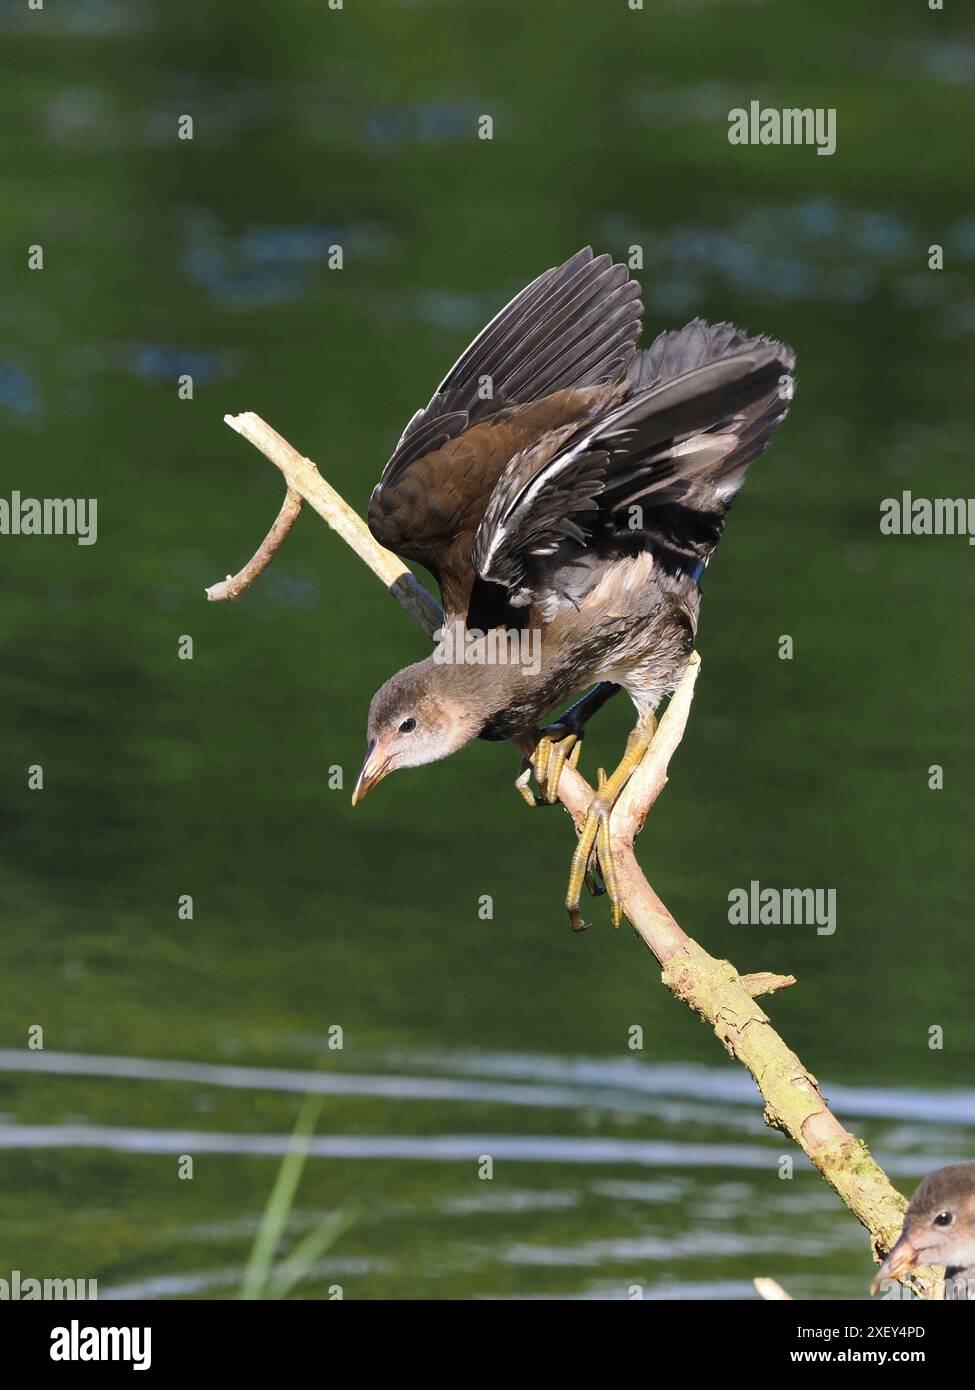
711,988
303,477
235,584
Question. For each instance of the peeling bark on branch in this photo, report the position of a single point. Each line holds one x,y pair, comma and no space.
714,989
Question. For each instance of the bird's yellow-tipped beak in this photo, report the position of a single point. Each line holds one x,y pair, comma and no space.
901,1260
374,769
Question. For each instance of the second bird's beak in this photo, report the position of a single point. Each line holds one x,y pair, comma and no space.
374,769
901,1260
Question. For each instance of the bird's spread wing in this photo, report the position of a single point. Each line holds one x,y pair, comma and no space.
542,363
545,497
660,468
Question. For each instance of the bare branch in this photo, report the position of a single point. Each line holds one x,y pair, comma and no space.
303,477
235,584
712,988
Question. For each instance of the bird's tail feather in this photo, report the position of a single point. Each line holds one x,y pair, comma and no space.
700,405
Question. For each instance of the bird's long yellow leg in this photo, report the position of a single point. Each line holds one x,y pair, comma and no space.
596,833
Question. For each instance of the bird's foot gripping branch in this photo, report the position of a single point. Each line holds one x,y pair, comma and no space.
596,835
714,989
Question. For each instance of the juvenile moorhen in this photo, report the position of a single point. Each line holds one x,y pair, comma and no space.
563,486
939,1229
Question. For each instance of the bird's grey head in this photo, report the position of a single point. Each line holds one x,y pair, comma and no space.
939,1226
419,716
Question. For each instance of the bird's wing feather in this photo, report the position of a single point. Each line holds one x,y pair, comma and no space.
575,325
537,504
700,405
565,338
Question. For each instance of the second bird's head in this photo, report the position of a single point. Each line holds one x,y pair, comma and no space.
423,713
939,1226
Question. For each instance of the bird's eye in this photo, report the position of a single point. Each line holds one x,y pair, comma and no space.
943,1218
407,726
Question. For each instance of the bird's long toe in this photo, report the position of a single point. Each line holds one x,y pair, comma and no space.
558,744
604,849
594,850
595,886
566,750
523,785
